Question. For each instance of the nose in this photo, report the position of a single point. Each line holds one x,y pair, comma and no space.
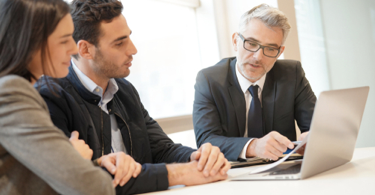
131,50
258,55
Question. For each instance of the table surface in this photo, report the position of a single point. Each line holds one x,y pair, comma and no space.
354,177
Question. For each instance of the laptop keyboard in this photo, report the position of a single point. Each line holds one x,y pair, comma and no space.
290,170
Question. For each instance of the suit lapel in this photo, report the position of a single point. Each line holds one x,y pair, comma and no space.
268,102
237,97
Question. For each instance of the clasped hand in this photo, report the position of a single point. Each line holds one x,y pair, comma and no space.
119,164
210,160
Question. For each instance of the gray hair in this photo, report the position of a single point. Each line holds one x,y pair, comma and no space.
270,16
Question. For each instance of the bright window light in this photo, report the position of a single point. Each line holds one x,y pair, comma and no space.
168,58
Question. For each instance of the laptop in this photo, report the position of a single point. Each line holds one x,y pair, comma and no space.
331,140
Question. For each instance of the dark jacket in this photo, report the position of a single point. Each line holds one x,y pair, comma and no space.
76,108
219,113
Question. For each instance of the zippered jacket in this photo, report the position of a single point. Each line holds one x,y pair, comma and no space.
73,108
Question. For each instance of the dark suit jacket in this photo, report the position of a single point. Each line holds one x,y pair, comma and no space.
219,113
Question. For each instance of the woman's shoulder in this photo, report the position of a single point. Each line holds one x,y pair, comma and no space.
14,82
13,86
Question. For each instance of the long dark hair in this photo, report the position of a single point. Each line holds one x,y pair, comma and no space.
24,28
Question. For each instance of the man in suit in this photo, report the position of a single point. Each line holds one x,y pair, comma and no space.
247,105
106,110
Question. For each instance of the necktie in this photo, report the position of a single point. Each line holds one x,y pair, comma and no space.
254,118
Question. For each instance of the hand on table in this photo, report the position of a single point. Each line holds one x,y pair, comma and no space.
210,160
121,165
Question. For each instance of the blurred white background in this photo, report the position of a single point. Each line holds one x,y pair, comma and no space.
335,40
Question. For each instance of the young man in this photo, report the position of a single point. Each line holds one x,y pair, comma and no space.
247,105
106,109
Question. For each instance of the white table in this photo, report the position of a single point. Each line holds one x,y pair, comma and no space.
355,177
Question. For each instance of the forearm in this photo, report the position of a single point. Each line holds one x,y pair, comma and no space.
176,173
188,174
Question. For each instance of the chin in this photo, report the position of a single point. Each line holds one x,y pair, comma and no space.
61,74
125,74
253,78
121,75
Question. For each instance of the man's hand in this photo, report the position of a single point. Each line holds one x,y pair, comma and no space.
301,151
210,160
80,145
271,146
188,174
121,165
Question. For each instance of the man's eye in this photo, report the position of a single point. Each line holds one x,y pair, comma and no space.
270,49
252,44
119,44
64,42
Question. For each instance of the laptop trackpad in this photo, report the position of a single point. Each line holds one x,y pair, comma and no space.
286,168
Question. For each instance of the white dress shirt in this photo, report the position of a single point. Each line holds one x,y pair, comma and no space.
117,142
245,84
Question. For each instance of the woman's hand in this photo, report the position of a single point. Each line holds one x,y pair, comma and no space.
80,145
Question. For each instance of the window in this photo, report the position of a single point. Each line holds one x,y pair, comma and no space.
165,67
312,44
168,59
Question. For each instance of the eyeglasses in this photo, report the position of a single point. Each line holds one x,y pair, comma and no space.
252,46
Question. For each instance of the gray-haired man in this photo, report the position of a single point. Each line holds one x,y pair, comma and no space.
247,105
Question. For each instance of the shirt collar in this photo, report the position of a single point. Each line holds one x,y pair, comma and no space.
92,86
245,84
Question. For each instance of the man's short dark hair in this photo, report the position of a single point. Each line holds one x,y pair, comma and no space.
87,16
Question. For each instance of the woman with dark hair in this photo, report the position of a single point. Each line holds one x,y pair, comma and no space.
35,156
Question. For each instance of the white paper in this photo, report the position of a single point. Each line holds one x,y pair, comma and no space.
270,166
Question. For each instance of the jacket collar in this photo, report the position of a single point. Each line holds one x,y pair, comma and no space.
237,97
232,73
81,89
268,100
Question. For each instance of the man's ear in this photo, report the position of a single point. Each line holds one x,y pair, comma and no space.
234,41
85,49
282,48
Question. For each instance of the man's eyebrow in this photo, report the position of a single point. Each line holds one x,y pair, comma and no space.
122,37
270,44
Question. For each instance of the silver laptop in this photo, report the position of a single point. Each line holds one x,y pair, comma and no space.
331,141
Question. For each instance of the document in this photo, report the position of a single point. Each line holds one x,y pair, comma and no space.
249,162
270,166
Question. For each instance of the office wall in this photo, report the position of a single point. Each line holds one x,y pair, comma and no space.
349,29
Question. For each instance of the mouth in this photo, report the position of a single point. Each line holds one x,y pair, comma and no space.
255,65
129,63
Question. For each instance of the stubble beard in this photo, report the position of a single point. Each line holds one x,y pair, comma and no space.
252,79
106,67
